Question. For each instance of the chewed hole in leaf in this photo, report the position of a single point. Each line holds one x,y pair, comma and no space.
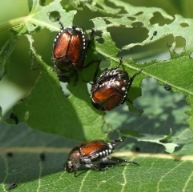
132,18
99,38
140,13
54,16
65,90
137,24
180,42
161,54
191,55
44,2
178,45
125,36
184,24
159,19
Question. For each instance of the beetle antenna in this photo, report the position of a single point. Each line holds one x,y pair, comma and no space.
132,162
120,62
97,71
61,25
117,140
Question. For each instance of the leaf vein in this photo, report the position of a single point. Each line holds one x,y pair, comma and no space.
124,178
162,178
187,182
83,180
39,178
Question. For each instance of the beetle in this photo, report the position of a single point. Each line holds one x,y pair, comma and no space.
111,88
93,155
69,51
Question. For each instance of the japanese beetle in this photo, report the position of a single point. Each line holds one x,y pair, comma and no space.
93,155
111,88
69,51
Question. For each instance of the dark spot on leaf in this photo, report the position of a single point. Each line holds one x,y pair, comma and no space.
140,13
154,34
137,149
9,154
42,156
167,87
124,36
159,19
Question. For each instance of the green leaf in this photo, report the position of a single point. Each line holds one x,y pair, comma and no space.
108,47
40,17
165,73
20,158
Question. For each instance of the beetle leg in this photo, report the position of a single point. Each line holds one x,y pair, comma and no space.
60,74
113,142
76,77
117,160
111,161
61,25
89,159
74,27
74,170
120,62
136,74
93,61
85,160
93,157
89,166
